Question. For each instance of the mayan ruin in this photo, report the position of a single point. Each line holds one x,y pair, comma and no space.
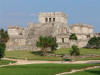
49,24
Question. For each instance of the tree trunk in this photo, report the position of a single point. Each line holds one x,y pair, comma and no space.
44,52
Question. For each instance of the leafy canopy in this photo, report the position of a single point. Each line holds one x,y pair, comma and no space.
2,49
46,42
73,36
3,40
3,36
94,42
75,51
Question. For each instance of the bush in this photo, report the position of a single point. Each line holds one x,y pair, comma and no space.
3,36
94,42
75,51
73,37
2,49
67,59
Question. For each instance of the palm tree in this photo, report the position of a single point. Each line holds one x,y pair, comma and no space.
46,42
75,51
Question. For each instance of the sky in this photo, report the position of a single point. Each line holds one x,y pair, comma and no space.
22,12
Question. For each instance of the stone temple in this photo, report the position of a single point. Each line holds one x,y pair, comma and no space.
49,24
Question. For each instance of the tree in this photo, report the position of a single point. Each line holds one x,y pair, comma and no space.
75,51
3,36
3,40
53,44
94,42
46,42
2,49
73,36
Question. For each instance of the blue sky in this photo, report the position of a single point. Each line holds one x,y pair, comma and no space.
21,12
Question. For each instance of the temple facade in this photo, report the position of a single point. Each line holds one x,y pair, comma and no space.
49,24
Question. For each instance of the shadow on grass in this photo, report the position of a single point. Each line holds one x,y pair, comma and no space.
94,72
40,52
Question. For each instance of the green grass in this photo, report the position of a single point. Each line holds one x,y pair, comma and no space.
30,55
36,55
83,51
41,69
87,72
5,62
86,58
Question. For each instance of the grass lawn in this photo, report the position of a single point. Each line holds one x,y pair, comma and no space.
88,72
5,62
87,58
83,51
41,69
29,55
36,55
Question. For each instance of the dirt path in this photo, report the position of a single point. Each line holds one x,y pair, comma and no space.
20,61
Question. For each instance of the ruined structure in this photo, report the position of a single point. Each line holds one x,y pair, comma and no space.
50,24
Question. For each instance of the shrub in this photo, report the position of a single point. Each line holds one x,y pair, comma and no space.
3,36
2,49
73,37
94,42
75,51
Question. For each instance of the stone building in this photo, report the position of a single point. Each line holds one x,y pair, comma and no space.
49,24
